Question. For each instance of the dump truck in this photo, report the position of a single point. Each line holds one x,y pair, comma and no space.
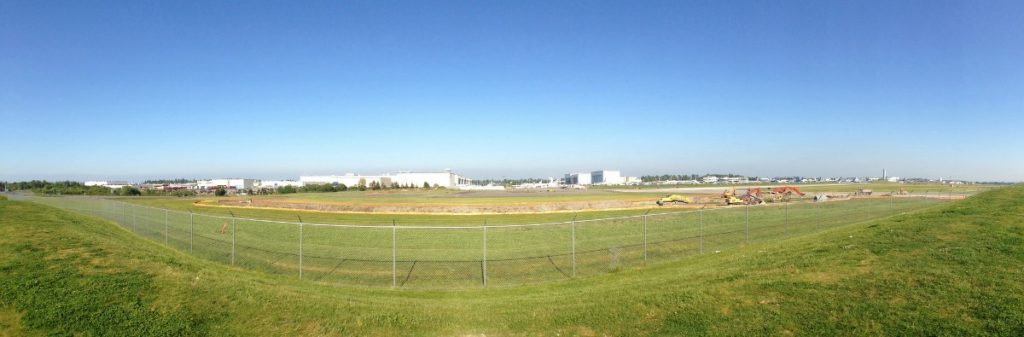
675,198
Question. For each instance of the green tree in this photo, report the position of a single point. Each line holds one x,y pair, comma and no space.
362,184
426,184
220,192
130,191
183,193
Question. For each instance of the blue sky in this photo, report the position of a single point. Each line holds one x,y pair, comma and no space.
98,89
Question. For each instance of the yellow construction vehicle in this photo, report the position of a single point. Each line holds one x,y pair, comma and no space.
675,198
731,199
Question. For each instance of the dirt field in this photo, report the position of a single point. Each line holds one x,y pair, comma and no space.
508,208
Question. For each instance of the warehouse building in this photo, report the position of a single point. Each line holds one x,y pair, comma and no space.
582,178
350,179
273,184
602,177
228,183
112,184
445,179
607,177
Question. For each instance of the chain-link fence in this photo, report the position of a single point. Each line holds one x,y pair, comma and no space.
431,256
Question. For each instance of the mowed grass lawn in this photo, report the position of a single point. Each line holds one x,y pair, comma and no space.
950,270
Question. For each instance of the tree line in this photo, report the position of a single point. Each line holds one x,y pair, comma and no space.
508,182
677,177
67,188
360,186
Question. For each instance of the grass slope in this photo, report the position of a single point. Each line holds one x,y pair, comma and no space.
952,270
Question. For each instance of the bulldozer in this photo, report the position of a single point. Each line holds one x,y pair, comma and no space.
731,199
675,198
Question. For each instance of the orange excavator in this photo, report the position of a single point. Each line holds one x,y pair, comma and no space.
784,192
753,196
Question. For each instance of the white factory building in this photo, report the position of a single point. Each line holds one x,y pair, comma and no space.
607,177
602,177
235,183
112,184
273,184
445,179
350,180
582,178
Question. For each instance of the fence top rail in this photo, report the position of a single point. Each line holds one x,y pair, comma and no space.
557,223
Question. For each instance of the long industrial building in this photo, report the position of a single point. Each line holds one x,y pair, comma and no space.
235,183
602,177
582,178
445,179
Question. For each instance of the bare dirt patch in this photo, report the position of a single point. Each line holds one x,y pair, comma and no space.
511,207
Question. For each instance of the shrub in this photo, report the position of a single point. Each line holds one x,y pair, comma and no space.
183,193
130,191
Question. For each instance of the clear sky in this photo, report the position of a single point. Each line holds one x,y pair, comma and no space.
134,89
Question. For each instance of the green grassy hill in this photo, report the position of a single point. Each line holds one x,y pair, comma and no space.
951,270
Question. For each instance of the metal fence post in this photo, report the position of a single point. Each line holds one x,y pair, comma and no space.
300,248
232,239
817,215
574,246
700,229
892,204
645,238
746,225
165,227
787,218
191,229
394,254
484,261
